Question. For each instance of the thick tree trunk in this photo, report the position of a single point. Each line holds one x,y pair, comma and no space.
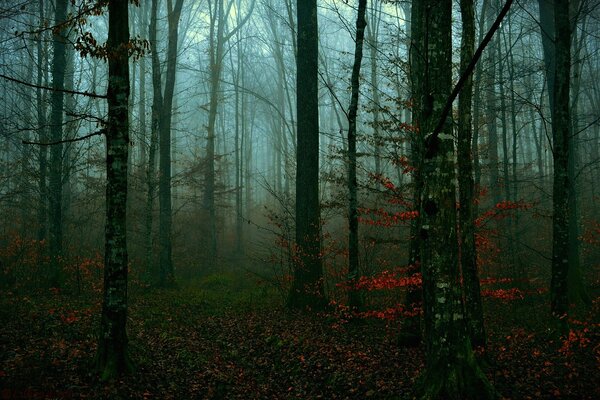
307,287
561,132
56,151
468,254
451,369
354,299
112,358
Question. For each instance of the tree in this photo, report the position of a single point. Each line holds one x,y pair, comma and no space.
561,133
557,23
56,135
307,286
218,37
468,255
42,215
167,277
361,23
112,358
451,368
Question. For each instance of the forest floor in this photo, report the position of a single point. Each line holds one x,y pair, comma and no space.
219,339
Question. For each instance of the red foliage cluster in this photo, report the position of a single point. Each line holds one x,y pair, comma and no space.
490,281
381,217
391,313
385,280
591,235
577,338
403,161
511,293
501,210
504,294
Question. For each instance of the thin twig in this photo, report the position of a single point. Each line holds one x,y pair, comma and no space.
77,139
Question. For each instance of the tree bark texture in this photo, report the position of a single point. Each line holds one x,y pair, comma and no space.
451,369
167,277
307,287
354,299
42,215
56,135
561,132
112,358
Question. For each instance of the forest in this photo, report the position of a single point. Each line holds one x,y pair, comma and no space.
300,199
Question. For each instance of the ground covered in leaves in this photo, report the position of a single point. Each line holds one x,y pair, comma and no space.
219,340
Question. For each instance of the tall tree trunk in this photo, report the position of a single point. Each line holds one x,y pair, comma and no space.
56,135
157,107
42,214
372,34
216,57
561,132
451,369
307,287
577,291
477,104
143,20
411,329
468,254
492,110
112,357
354,299
167,277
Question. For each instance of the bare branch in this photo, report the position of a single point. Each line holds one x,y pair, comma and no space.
74,92
77,139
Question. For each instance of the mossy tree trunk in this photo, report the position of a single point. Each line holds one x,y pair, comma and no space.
112,358
451,370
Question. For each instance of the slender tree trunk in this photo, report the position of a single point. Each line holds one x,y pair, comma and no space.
412,329
143,18
372,33
577,290
42,213
353,264
492,110
477,104
216,58
56,151
468,253
112,358
307,287
166,276
157,107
